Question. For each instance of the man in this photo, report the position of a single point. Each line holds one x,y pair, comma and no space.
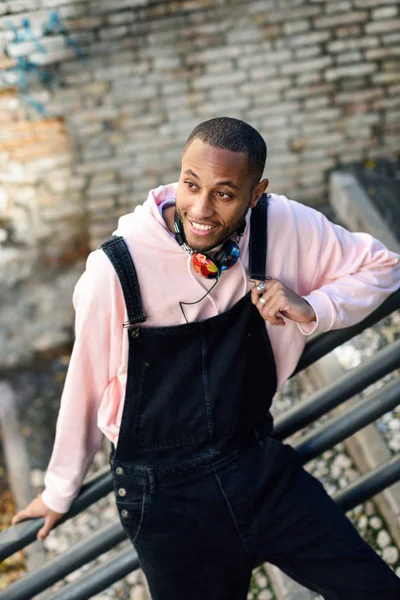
183,389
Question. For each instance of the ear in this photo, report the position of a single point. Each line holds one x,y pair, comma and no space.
258,192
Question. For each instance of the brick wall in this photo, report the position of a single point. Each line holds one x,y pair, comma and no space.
320,80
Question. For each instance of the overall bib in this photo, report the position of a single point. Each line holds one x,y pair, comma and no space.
203,490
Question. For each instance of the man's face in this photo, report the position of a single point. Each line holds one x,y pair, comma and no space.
216,188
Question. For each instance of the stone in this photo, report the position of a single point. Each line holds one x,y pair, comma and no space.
261,580
390,555
376,522
265,595
383,539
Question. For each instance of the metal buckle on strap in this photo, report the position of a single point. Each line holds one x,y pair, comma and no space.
133,326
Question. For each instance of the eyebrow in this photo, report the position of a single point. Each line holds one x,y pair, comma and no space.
228,182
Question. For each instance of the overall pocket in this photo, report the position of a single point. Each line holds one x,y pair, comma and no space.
132,508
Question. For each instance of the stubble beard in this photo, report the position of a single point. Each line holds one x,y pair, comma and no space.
225,234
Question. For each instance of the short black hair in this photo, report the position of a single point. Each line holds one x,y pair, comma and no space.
234,135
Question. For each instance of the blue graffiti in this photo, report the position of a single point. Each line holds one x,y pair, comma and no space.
25,67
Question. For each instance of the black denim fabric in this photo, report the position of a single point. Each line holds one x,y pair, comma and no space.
204,491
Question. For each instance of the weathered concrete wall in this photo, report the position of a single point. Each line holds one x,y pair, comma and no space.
82,139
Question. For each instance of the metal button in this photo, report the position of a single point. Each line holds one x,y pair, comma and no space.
146,364
125,513
135,333
119,471
122,492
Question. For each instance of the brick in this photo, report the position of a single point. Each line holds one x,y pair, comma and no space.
218,108
325,114
246,34
312,78
212,54
349,32
54,57
282,160
274,123
207,81
347,45
111,33
16,6
263,72
265,99
345,18
310,129
167,63
293,27
358,96
307,52
373,3
122,18
110,188
386,78
282,56
116,72
222,66
56,3
309,39
383,26
379,53
386,103
101,205
106,6
392,117
310,65
393,90
338,6
317,102
295,14
348,57
391,38
350,71
386,12
305,92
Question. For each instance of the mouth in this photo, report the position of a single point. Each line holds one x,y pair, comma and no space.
200,228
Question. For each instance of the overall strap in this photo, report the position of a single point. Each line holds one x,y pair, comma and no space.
258,239
117,251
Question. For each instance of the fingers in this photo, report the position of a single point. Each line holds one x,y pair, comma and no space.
20,516
32,511
36,509
268,299
49,523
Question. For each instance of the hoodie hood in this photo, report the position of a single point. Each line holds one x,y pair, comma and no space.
146,225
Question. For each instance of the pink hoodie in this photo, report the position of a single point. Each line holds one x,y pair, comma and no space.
344,276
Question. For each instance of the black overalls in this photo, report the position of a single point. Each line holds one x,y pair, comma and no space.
203,490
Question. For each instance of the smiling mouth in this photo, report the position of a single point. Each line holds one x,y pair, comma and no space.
200,227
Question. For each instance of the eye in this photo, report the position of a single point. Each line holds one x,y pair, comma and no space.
191,185
223,196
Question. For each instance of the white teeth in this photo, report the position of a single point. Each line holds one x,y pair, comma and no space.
201,227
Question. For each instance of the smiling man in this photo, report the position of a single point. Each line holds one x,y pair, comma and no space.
177,357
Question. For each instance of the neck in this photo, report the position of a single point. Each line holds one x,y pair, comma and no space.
168,215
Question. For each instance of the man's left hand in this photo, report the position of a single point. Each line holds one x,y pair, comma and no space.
273,297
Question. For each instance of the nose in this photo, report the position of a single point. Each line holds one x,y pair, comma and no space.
203,209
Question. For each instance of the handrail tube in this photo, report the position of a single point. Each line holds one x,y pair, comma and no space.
369,485
325,342
100,578
331,396
20,535
74,558
341,427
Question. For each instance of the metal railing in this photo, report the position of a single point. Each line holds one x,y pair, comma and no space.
310,445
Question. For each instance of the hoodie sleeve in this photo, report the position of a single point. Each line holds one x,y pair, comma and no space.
349,274
99,314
